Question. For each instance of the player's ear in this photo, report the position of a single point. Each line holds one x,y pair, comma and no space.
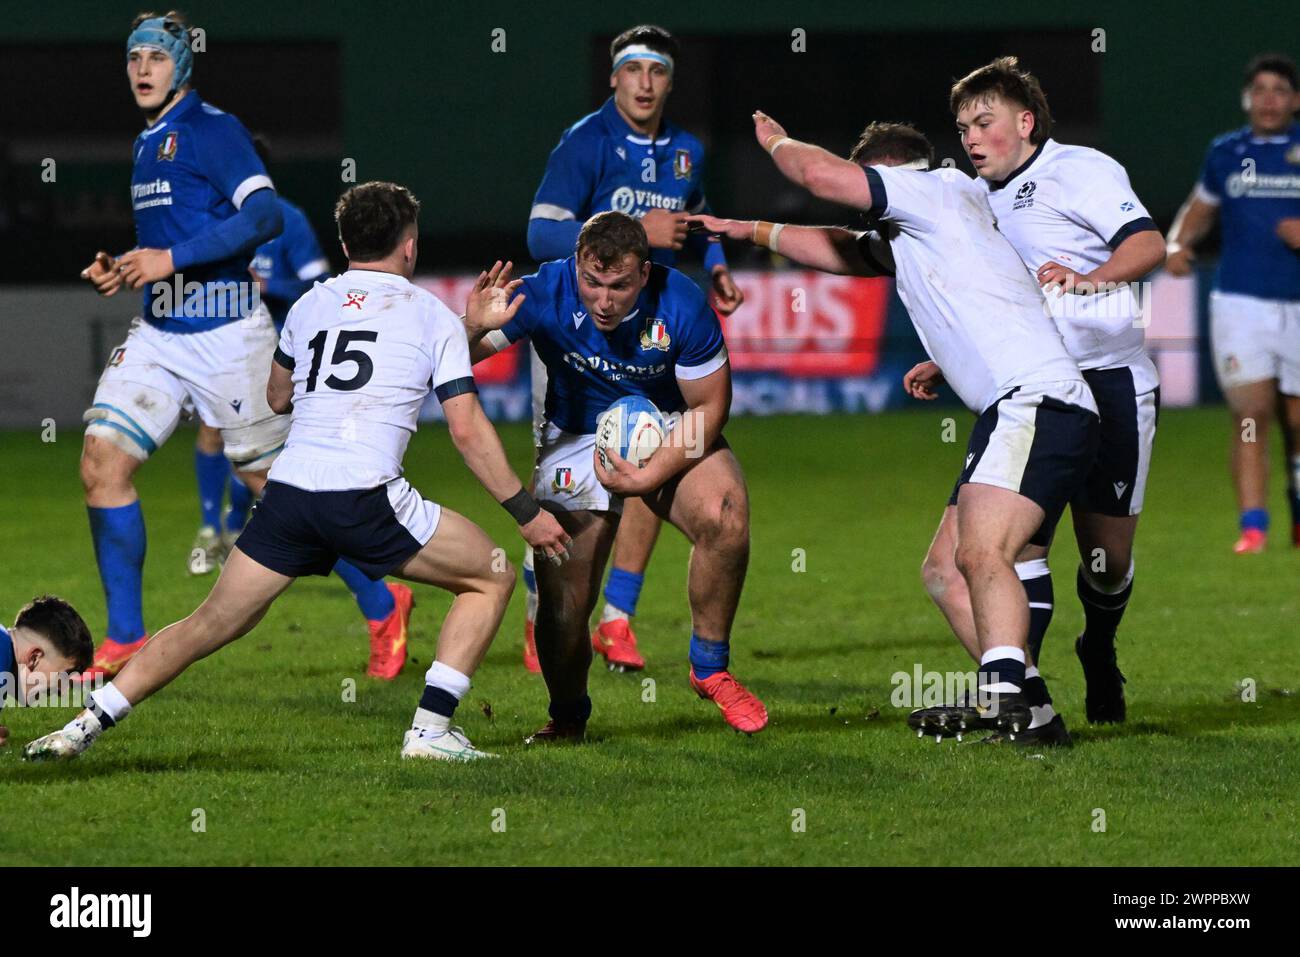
613,81
346,254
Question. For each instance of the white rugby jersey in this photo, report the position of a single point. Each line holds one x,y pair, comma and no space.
980,316
366,348
1074,205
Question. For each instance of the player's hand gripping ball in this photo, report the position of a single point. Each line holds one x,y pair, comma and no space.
633,427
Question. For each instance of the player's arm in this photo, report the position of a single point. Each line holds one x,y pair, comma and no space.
488,309
1134,257
257,220
819,171
279,384
562,198
830,249
479,445
1195,218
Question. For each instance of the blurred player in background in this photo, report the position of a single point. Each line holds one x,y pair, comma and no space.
624,157
284,268
48,640
1084,246
203,202
358,356
655,336
1251,181
981,319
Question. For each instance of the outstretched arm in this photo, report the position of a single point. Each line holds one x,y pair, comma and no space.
819,171
830,249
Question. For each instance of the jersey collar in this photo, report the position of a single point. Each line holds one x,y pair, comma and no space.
618,126
999,183
186,106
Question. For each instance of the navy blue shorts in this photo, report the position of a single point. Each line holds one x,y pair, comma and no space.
1117,481
1037,443
296,532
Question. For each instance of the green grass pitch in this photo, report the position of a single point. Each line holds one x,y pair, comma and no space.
285,771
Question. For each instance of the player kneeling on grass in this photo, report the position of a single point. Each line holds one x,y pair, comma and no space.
608,323
981,318
358,356
48,642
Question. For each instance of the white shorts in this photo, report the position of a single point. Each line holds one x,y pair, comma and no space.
566,473
537,376
1255,340
153,376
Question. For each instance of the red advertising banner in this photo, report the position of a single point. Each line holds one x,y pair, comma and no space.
805,324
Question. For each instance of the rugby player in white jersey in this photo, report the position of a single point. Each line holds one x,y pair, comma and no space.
1073,217
981,318
358,356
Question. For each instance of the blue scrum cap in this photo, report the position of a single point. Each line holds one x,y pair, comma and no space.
164,33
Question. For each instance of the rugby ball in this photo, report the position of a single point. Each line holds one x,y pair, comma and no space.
633,427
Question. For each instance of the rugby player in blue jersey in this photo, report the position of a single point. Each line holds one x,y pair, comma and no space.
48,640
1251,182
203,203
607,322
625,157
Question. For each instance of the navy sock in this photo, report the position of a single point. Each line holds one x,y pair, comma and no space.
119,538
1041,599
1002,671
623,590
571,712
241,500
211,470
1256,518
439,701
1101,615
1035,691
373,597
709,657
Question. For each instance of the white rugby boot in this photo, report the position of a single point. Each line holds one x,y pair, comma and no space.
449,745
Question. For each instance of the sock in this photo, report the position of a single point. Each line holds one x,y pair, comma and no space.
1102,611
373,597
709,657
1002,670
241,500
1256,518
119,538
621,594
530,585
444,686
1035,688
108,705
570,712
1037,579
211,470
1293,490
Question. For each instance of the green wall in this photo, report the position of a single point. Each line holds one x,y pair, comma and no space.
428,102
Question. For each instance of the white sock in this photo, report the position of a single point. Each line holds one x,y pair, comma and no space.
112,702
448,679
1043,714
613,613
430,721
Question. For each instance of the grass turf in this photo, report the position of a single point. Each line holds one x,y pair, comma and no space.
285,771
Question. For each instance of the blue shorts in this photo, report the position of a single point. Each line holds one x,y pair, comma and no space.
296,532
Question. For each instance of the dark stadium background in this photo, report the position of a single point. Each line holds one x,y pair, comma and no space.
414,92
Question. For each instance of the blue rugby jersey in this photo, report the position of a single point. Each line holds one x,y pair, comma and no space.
290,262
193,170
671,333
601,163
1255,181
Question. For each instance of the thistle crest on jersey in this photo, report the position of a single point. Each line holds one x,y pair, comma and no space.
656,336
682,164
563,481
167,148
356,298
